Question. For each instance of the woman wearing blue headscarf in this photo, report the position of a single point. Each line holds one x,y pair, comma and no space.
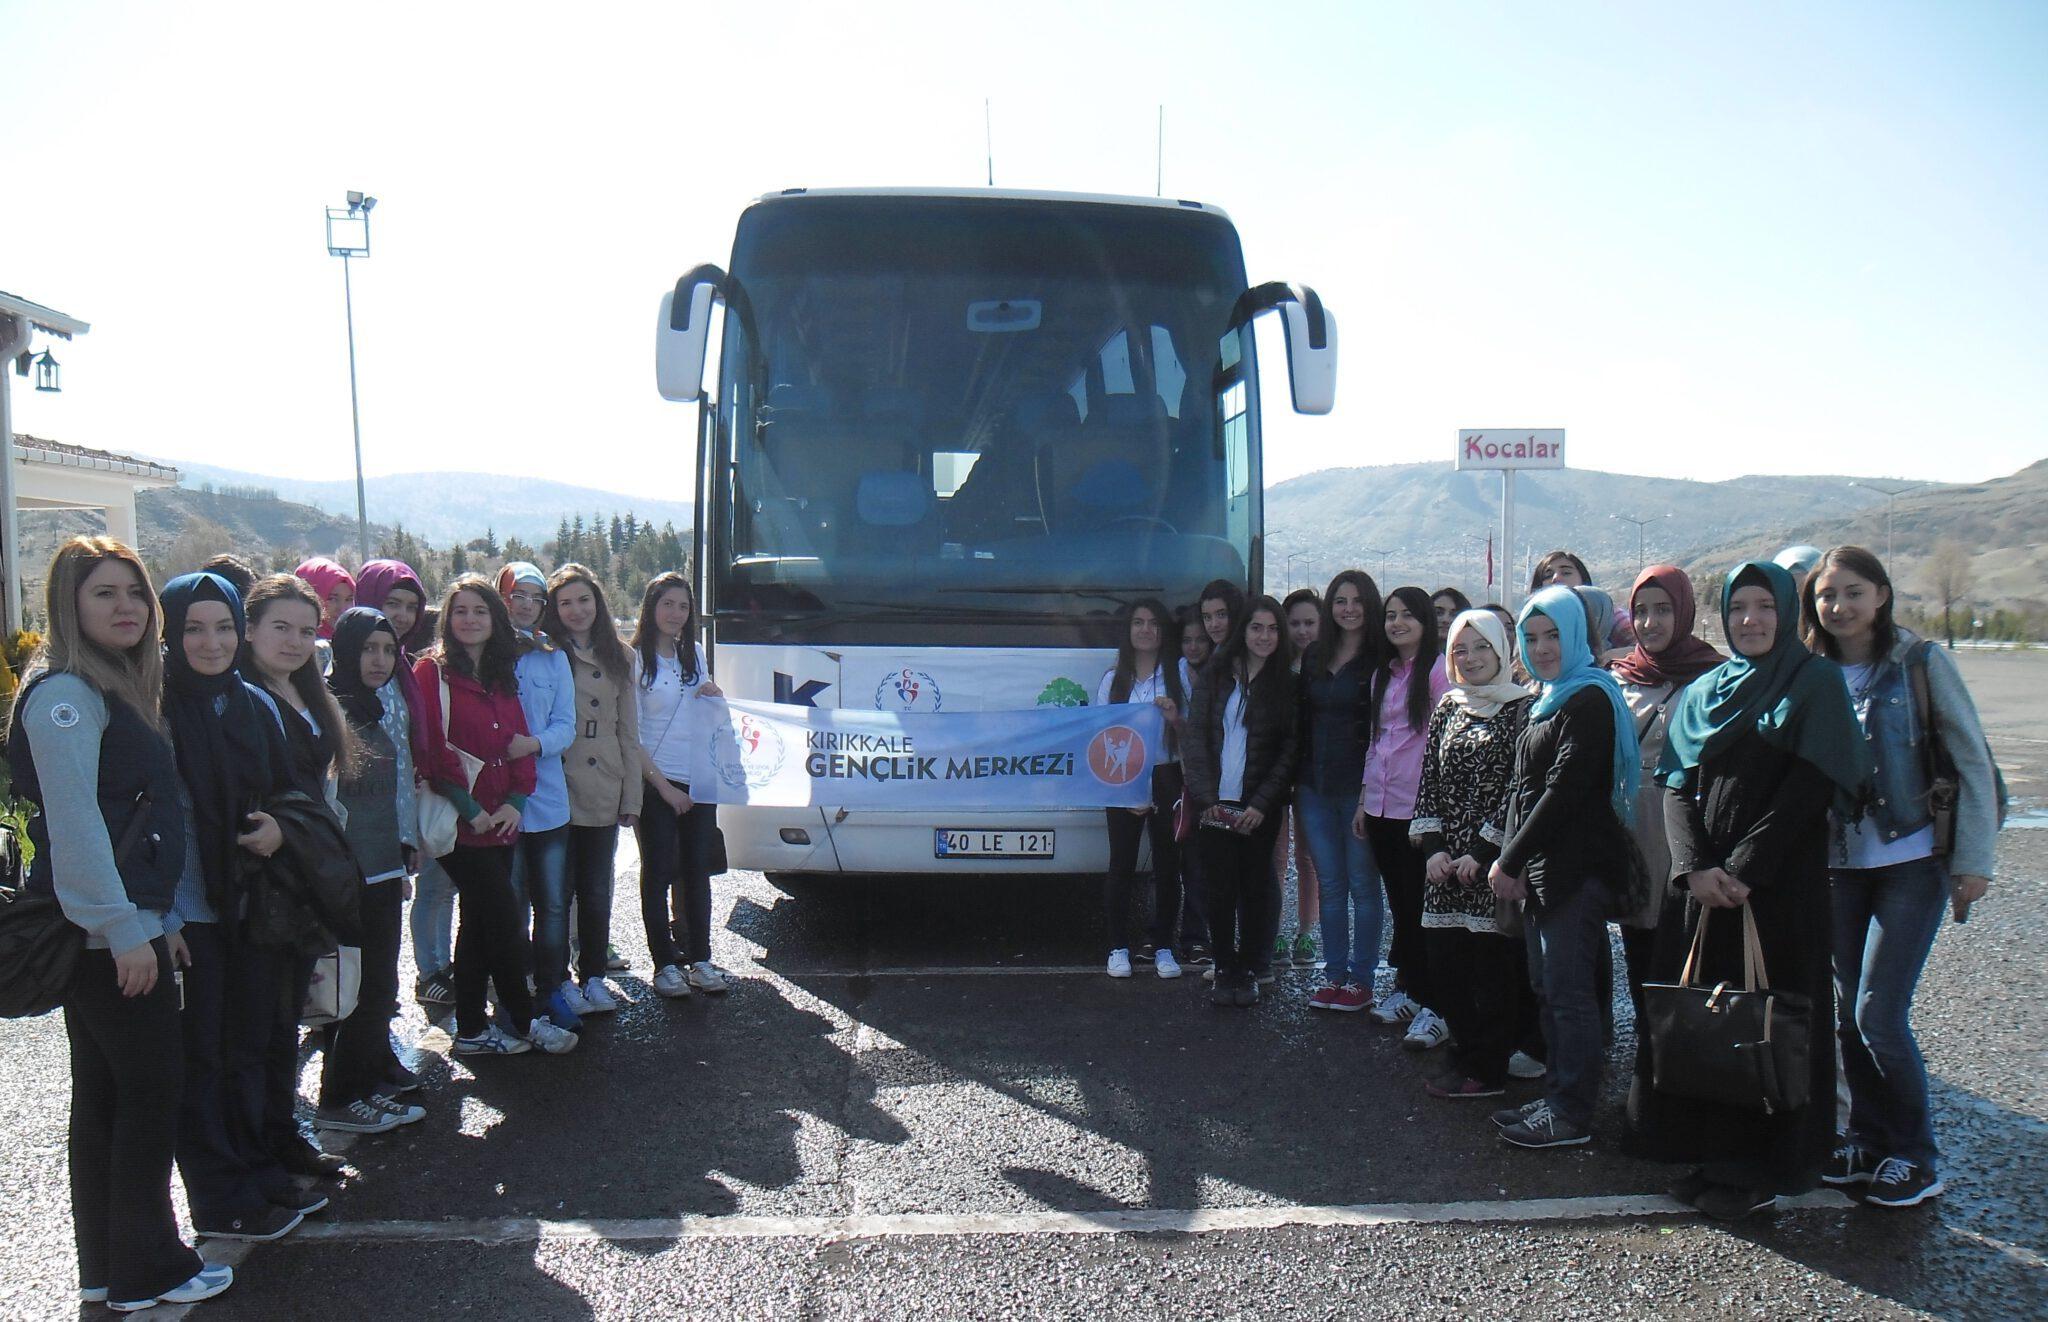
1759,749
1568,856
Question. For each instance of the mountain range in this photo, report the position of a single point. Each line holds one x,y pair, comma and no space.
445,507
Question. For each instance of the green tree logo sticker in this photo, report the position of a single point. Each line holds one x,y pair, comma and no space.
1063,692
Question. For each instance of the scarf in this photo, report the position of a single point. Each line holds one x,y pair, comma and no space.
373,589
1482,700
230,752
1688,656
1578,669
359,702
1796,702
324,574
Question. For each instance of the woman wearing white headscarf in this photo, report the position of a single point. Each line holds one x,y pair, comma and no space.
1459,823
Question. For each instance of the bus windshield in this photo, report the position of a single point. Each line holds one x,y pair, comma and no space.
960,408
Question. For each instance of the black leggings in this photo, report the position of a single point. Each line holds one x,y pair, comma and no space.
1125,830
359,1055
1237,876
592,850
490,943
1401,867
675,888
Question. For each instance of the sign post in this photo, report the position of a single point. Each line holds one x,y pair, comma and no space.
1509,450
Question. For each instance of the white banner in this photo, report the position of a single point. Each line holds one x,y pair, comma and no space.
786,756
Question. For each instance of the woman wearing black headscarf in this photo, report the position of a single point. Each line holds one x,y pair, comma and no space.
230,758
361,1078
1758,750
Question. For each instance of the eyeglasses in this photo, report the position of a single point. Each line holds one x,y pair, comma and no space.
526,598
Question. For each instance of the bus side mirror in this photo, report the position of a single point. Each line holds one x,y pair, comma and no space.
1311,340
682,334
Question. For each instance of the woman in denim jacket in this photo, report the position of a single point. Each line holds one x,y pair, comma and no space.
1889,883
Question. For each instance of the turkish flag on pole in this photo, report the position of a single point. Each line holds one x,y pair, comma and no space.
1489,560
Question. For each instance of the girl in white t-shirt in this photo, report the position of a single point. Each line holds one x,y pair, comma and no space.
669,673
1145,671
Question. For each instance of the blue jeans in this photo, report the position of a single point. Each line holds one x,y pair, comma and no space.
1885,922
540,874
1565,939
433,919
1354,911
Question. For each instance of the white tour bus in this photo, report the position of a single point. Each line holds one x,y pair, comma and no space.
947,436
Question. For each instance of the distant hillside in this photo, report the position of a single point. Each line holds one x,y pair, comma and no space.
262,529
1414,518
444,507
2002,523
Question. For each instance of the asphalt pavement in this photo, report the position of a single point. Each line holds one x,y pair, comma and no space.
922,1099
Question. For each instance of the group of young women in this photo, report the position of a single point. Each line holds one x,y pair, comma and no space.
229,780
1499,788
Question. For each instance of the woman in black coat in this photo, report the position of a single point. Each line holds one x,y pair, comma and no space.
1239,758
1759,749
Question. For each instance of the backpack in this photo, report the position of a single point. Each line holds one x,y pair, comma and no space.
1944,785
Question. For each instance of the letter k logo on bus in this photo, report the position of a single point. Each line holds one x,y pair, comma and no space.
791,693
1117,755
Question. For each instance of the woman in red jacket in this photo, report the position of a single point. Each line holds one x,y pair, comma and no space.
470,669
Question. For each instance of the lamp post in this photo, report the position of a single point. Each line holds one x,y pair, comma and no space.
1382,554
348,235
1294,556
1891,491
1642,557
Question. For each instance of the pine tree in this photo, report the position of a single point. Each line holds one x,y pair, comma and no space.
490,542
618,534
458,560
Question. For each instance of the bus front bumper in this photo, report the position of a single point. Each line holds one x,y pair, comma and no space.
825,840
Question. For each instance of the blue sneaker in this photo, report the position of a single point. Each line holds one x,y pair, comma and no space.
558,1012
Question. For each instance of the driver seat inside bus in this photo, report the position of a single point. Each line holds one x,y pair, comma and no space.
1111,470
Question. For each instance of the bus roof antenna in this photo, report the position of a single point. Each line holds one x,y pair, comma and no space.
988,140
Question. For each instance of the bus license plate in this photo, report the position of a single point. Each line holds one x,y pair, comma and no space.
949,843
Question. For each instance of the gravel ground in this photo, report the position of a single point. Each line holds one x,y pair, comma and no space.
822,1088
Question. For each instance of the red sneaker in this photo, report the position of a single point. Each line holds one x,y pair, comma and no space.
1352,998
1325,997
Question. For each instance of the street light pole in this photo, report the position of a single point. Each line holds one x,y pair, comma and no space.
1294,556
1891,491
1382,554
352,239
1642,555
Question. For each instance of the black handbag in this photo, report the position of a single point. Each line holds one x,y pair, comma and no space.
38,945
1745,1047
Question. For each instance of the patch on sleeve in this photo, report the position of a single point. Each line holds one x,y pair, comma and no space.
64,716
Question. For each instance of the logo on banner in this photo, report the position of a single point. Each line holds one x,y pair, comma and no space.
754,756
1117,755
908,690
1063,692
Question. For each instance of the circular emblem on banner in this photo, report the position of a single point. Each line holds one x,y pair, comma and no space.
752,756
1117,755
907,690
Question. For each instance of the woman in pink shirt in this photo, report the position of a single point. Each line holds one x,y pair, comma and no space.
1405,690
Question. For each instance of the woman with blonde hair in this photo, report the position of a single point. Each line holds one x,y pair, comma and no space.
86,744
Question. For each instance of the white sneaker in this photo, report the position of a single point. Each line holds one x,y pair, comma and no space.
1522,1065
573,997
708,977
671,982
1119,964
1396,1007
598,998
555,1041
211,1280
1166,964
1425,1031
493,1041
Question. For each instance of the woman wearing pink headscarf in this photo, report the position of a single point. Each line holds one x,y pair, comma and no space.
336,586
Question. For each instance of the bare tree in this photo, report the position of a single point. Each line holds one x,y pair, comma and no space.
1950,575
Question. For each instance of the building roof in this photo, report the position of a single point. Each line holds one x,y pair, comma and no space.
47,320
36,450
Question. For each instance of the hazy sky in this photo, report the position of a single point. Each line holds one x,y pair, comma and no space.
1706,239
